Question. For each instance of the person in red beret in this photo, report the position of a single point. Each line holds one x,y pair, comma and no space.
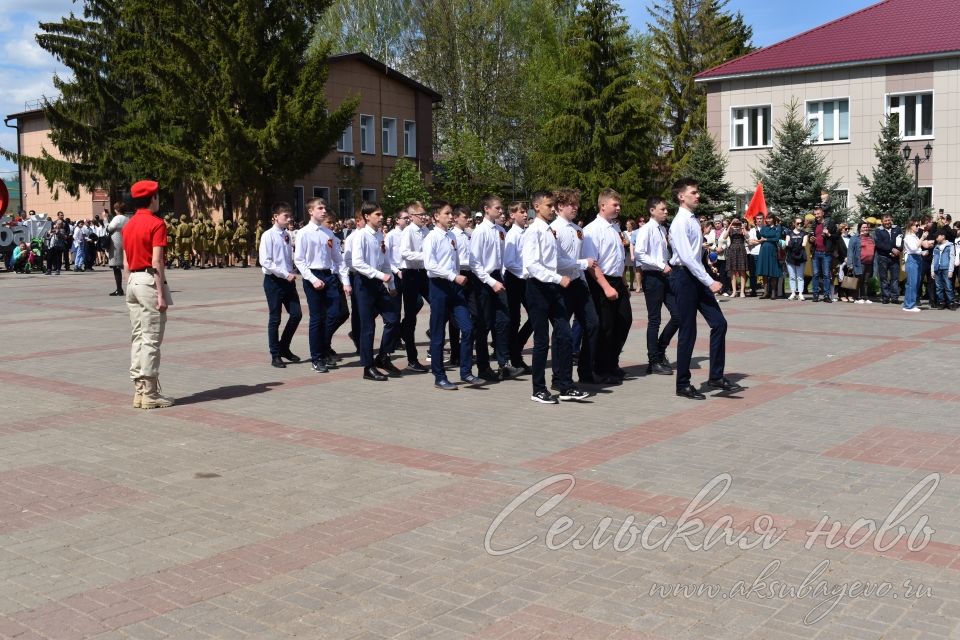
144,243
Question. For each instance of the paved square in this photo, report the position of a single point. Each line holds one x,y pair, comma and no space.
284,503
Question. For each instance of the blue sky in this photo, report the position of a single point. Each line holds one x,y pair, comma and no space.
26,70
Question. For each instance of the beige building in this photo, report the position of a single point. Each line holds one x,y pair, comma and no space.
394,120
890,58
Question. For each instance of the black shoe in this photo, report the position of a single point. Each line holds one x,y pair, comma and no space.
451,364
689,391
724,384
524,368
544,397
334,356
816,298
489,375
573,394
320,366
662,359
446,385
659,369
289,355
509,372
828,300
371,373
620,373
388,366
331,363
116,293
415,366
277,362
471,379
609,380
588,378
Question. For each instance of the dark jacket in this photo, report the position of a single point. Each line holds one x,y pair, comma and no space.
886,240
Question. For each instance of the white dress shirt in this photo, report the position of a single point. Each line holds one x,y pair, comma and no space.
411,247
441,258
652,250
392,239
486,251
349,246
539,252
463,246
569,248
319,248
686,240
276,254
512,260
601,241
369,255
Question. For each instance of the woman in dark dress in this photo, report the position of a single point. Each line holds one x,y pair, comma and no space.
737,255
768,262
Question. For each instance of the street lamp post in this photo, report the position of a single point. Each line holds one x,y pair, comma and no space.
927,150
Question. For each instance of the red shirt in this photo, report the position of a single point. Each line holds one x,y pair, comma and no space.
818,244
144,232
867,249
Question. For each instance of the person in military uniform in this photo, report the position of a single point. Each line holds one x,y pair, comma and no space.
199,243
240,247
184,243
257,234
219,244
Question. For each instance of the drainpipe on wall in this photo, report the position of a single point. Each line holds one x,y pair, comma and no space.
6,122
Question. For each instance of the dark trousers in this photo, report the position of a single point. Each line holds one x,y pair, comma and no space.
927,281
580,304
692,297
373,299
448,301
493,312
517,298
324,305
888,270
657,294
117,277
615,319
546,307
470,292
414,291
752,268
281,294
55,260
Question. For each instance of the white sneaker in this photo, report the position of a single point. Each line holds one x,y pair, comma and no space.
726,295
858,302
793,296
868,301
800,297
914,310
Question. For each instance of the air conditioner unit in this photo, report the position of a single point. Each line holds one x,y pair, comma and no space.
348,161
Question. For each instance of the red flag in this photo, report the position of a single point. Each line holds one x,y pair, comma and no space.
4,197
757,204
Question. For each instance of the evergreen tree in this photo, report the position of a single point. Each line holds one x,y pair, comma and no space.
403,186
688,37
602,137
890,190
793,172
467,171
708,167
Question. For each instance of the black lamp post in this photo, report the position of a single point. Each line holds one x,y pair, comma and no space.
927,150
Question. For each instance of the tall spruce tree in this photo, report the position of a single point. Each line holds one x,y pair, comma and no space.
793,172
708,167
603,135
890,190
689,36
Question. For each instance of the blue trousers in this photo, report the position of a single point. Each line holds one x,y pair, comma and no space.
657,294
821,274
325,314
546,307
914,263
448,300
373,299
580,305
281,294
944,287
694,297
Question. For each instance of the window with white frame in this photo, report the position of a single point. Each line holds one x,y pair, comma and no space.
368,195
409,138
322,192
914,112
750,127
367,137
388,145
345,143
829,120
926,198
345,203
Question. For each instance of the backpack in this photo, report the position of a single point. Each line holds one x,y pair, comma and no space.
796,252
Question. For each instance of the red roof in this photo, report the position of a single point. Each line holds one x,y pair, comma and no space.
892,29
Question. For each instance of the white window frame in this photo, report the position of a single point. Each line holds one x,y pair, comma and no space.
340,209
932,200
410,139
368,125
388,143
326,198
365,191
345,143
734,122
836,120
901,121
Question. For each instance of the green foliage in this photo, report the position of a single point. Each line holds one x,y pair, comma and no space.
708,167
380,28
602,134
793,172
688,37
890,189
467,172
403,186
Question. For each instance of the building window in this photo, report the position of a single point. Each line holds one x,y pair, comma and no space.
740,202
750,127
346,140
914,112
345,203
838,199
389,143
322,192
298,203
926,198
367,143
409,138
368,195
829,121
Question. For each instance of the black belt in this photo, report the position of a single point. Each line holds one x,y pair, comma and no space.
322,272
144,270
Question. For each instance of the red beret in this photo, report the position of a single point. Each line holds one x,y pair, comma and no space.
144,189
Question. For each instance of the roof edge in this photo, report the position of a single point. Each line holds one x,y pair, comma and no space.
28,112
382,67
833,65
